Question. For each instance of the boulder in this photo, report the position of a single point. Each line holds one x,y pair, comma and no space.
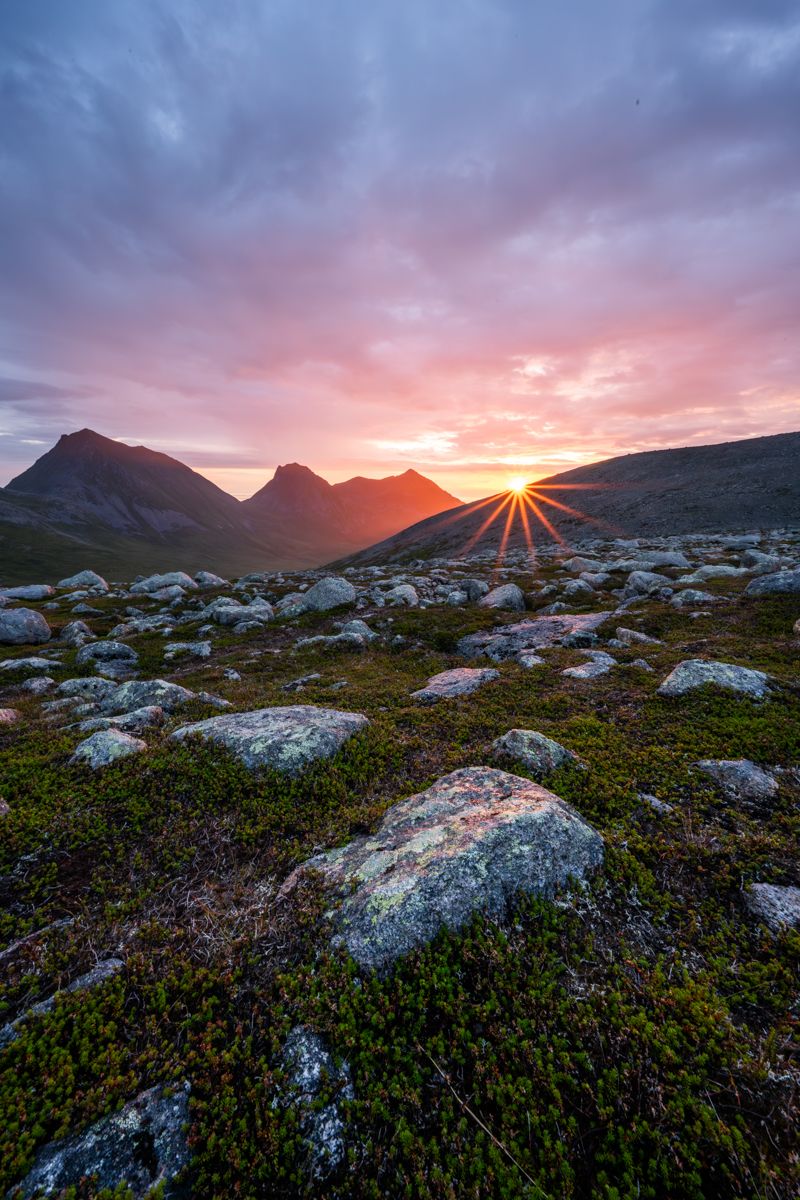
506,641
86,689
30,591
8,716
135,721
76,633
538,754
645,583
283,739
207,579
740,779
155,583
465,845
142,1145
508,596
23,627
145,693
632,637
312,1074
781,583
695,673
777,907
404,593
332,592
174,650
31,666
107,652
85,579
105,747
688,597
599,663
461,681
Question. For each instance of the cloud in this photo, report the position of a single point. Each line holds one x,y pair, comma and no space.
334,233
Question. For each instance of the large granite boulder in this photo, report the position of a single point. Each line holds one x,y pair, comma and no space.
105,747
332,592
107,652
740,779
23,627
466,845
509,641
781,583
142,1145
85,579
696,672
28,591
461,681
538,754
283,739
156,583
507,596
146,693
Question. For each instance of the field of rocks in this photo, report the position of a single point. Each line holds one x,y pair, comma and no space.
432,879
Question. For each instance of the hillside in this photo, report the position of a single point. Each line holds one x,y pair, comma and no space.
750,484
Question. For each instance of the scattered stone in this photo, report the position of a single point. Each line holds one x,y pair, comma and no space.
645,583
529,658
404,593
506,641
174,650
691,596
695,673
466,845
85,579
600,663
632,637
8,716
86,689
23,627
232,674
145,693
508,596
155,583
659,806
332,592
207,579
538,754
312,1074
297,685
107,652
778,907
135,721
105,747
38,686
30,591
461,681
283,739
31,666
143,1146
740,779
781,583
76,633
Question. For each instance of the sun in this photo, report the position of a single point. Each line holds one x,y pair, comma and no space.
517,484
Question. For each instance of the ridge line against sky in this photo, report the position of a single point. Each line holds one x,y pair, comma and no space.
483,239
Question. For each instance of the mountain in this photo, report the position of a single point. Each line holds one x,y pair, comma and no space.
352,514
126,509
750,484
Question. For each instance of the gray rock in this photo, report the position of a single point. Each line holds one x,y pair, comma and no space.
658,806
403,594
632,637
782,583
538,754
740,779
76,633
691,596
207,579
466,845
361,629
86,689
508,596
31,666
143,1145
155,583
38,686
312,1075
135,721
456,599
713,571
474,588
505,641
23,627
30,591
107,652
85,579
297,685
334,641
645,583
529,659
577,588
599,663
461,681
105,747
145,693
332,592
777,907
283,739
695,673
174,650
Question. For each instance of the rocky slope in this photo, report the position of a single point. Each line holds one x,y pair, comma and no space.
453,880
750,484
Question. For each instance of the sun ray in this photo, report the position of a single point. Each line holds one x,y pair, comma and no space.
489,521
526,529
551,529
501,551
576,512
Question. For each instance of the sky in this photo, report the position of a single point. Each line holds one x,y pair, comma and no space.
482,238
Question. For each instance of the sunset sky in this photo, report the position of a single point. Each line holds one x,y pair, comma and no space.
482,238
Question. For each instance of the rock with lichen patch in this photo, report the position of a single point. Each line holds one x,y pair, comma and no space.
538,754
461,681
697,672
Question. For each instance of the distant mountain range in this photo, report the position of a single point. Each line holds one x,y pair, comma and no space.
749,484
122,509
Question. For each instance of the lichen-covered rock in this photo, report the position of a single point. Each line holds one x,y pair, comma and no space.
174,650
404,593
30,666
107,652
283,739
207,579
599,663
145,693
633,637
29,591
135,721
312,1074
461,681
696,672
777,907
155,583
105,747
538,754
691,596
328,593
466,845
740,779
508,596
506,641
781,583
87,689
76,633
23,627
142,1145
645,583
85,579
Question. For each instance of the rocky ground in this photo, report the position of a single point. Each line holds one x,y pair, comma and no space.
449,880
